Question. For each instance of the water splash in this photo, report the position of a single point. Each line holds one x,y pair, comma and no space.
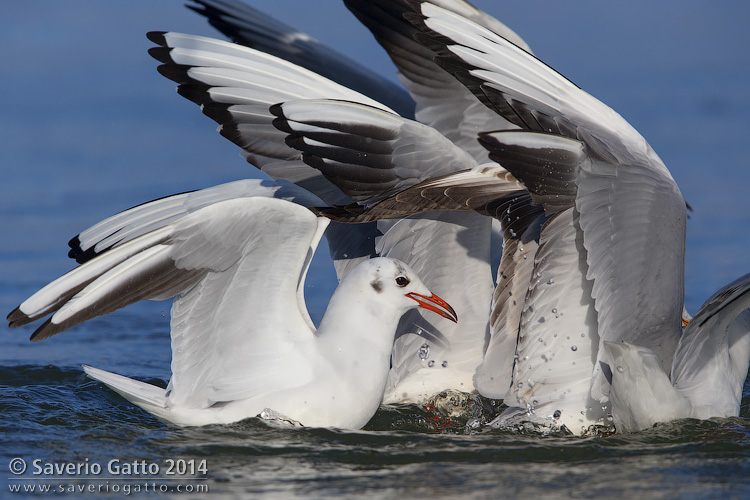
424,351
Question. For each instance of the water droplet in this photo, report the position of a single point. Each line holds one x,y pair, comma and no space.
583,335
554,310
424,351
519,385
431,363
541,340
444,364
534,402
620,369
574,348
557,414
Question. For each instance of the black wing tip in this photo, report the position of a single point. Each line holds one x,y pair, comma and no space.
161,54
218,112
82,256
77,252
45,331
158,37
17,318
277,110
196,93
178,73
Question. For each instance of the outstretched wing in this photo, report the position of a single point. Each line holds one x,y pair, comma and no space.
235,86
369,153
235,267
147,217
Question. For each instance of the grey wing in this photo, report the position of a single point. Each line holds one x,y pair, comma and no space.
633,222
144,218
148,217
235,267
249,27
235,86
521,221
478,189
558,341
369,153
634,233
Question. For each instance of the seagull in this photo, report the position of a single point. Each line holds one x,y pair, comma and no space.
235,87
594,246
242,339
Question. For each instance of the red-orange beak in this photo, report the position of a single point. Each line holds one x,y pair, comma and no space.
435,304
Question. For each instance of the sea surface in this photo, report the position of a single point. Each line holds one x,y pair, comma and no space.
89,128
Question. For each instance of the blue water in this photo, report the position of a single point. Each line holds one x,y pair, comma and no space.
89,128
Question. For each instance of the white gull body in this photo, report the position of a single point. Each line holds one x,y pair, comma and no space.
242,340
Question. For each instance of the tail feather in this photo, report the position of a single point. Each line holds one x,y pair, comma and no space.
149,397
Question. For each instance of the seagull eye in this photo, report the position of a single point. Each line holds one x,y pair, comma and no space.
402,281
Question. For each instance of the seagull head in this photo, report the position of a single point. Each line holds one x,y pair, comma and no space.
393,281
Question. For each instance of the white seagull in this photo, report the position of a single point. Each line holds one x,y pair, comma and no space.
242,340
595,256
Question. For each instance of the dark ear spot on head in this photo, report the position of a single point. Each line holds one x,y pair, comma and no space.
377,286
